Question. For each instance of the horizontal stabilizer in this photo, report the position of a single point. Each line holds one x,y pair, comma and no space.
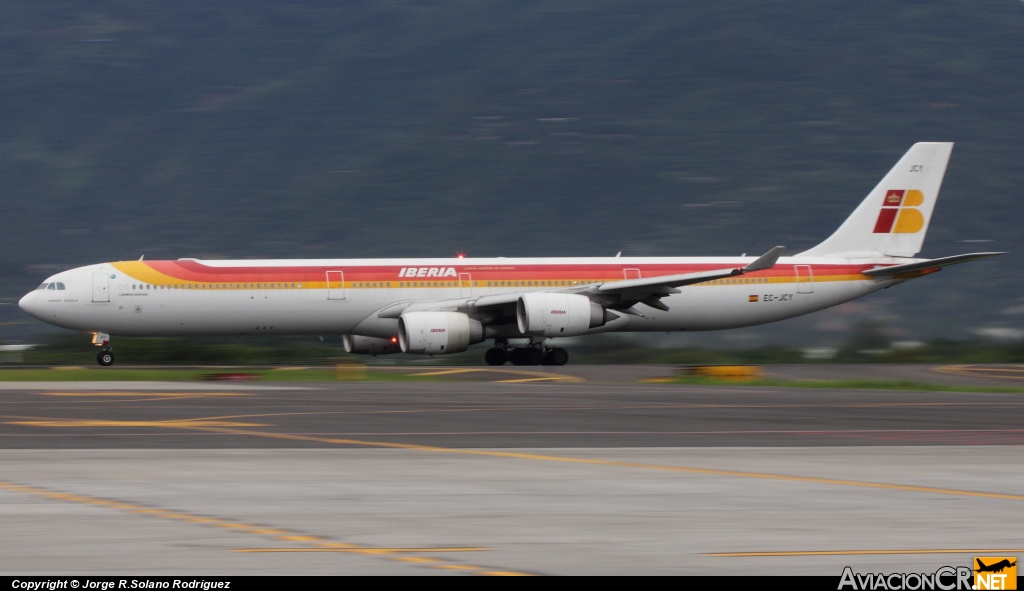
926,265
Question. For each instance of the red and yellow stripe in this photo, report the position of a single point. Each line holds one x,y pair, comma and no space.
195,274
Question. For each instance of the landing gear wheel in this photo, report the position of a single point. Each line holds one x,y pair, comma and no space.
556,356
105,358
496,356
517,356
526,356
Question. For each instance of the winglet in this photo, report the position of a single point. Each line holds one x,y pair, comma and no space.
765,261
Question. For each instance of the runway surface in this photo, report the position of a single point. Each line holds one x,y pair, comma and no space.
478,477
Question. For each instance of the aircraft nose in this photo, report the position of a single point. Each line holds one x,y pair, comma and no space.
30,304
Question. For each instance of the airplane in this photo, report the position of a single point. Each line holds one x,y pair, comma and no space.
994,568
443,306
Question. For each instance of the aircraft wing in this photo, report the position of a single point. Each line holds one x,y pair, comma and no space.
765,261
649,290
925,267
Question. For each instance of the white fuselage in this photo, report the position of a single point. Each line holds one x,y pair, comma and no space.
189,297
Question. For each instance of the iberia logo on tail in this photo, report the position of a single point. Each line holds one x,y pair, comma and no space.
899,213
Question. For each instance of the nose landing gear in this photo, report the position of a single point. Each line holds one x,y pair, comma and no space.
106,354
105,358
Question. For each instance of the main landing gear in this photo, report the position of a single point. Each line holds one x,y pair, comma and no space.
533,354
106,354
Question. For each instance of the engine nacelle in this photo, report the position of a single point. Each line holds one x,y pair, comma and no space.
360,345
437,333
557,314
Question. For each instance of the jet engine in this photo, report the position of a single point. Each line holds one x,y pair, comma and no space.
557,314
360,345
437,333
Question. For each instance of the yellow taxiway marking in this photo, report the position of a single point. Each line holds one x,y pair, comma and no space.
125,394
172,424
446,372
976,551
539,375
621,464
1009,372
531,376
300,538
313,543
414,559
523,380
369,550
230,428
204,520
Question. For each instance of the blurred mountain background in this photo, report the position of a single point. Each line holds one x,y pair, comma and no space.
526,128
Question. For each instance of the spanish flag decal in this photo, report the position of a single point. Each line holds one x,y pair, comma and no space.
900,213
752,298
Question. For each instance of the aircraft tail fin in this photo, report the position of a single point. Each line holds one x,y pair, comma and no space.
893,219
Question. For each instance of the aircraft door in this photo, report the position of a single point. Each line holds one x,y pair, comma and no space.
465,285
804,279
335,285
100,287
631,273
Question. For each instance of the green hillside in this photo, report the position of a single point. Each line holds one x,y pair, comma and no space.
271,129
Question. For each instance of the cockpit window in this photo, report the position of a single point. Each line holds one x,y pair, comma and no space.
52,285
